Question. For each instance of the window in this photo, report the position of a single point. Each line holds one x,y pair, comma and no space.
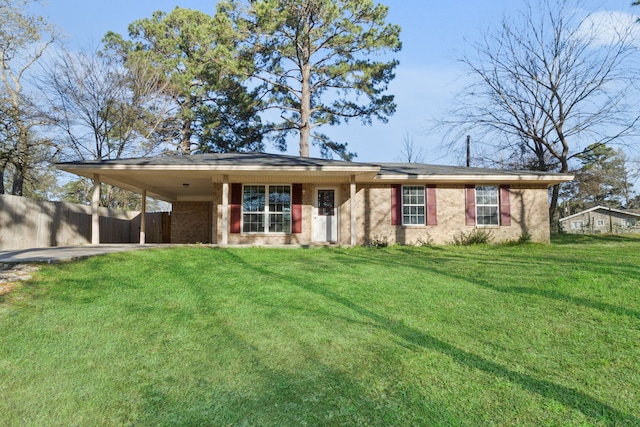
413,205
487,208
266,209
577,225
628,222
600,222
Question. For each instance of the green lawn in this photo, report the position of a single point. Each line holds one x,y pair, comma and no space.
462,336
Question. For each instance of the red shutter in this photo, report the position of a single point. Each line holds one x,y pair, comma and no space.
432,206
296,208
396,204
236,208
505,206
470,205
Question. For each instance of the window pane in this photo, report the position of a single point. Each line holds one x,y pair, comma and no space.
279,209
413,200
487,209
253,223
253,198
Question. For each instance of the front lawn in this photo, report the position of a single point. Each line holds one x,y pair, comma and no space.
461,336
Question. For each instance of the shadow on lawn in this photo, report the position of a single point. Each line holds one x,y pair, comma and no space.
578,400
440,267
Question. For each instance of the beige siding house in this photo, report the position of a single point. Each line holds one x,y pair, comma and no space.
270,199
601,219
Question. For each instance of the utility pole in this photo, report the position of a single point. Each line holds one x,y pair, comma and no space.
468,150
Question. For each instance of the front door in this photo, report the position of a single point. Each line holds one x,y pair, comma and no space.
325,214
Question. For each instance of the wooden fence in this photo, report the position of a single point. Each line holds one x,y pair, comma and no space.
27,223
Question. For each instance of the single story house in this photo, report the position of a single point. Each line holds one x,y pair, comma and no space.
263,199
602,219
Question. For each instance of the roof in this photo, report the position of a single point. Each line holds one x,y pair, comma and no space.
463,174
600,207
191,177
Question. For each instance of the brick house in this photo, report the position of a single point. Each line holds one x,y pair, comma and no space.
263,199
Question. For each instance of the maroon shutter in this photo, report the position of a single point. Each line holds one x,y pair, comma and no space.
470,205
296,208
236,208
432,206
396,204
505,206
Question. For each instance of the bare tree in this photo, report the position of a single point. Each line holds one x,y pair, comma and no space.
101,110
410,152
546,83
23,40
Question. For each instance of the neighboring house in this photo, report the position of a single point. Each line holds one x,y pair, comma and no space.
601,219
262,199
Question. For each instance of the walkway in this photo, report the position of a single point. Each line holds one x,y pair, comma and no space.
67,253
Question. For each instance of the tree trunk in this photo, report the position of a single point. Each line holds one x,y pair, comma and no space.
555,192
18,181
2,172
185,137
305,111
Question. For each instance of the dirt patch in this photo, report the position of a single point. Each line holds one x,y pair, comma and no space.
11,275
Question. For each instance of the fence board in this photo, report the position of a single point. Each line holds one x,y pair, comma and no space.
27,223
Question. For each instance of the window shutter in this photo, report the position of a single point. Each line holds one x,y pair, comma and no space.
396,204
296,208
470,205
432,205
505,206
236,208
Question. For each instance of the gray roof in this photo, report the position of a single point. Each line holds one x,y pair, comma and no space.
280,160
424,169
606,209
235,159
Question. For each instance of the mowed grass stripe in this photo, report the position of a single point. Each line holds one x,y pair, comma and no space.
491,335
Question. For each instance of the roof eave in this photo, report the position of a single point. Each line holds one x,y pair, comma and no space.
495,178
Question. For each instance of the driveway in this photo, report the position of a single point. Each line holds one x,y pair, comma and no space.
68,253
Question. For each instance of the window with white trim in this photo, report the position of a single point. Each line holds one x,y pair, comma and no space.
577,225
600,222
487,207
413,205
266,209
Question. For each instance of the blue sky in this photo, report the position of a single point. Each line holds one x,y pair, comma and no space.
434,34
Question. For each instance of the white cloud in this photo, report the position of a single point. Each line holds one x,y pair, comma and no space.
607,27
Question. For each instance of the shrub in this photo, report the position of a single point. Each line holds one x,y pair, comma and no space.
427,240
477,236
379,241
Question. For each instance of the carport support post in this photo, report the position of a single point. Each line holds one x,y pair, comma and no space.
353,211
225,210
95,217
143,219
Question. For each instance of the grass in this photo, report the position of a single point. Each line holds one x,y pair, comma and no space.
457,336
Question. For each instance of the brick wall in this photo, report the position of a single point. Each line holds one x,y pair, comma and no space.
529,211
191,222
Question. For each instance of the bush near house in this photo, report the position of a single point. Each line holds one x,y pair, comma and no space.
528,334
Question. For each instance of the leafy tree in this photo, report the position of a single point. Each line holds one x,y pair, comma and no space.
314,62
602,178
213,111
545,80
23,40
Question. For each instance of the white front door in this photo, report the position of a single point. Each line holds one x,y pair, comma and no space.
325,215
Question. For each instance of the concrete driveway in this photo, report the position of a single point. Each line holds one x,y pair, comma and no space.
68,253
